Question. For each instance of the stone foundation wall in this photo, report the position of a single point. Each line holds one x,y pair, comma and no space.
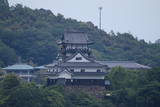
96,91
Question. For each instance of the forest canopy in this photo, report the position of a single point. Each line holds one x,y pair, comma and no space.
32,34
129,88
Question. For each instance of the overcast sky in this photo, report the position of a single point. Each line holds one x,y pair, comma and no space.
139,17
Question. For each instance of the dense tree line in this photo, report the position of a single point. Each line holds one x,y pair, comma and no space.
129,88
13,93
33,35
132,88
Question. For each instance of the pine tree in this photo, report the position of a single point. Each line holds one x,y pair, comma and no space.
4,8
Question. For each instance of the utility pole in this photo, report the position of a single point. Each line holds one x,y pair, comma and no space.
100,17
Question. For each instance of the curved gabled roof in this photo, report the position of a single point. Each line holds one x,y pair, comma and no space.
40,67
76,38
89,73
80,64
125,64
78,52
19,67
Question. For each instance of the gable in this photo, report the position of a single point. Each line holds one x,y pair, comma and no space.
65,74
78,58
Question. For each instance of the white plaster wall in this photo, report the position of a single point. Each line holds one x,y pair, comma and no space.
76,46
64,75
88,77
86,69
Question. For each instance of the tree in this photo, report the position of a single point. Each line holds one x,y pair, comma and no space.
8,85
10,82
122,78
55,99
7,55
27,95
149,95
4,9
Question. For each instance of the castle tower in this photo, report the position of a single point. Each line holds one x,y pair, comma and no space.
73,42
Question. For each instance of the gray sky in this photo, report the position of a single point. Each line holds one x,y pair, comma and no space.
139,17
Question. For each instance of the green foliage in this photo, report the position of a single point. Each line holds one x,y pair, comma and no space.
4,9
26,96
10,82
132,88
154,75
56,97
7,86
80,99
7,55
32,35
16,94
149,95
121,77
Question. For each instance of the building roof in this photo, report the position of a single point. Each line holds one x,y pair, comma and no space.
76,38
89,73
76,73
125,64
40,67
80,64
52,64
19,67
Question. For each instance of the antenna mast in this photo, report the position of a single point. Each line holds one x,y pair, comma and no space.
100,18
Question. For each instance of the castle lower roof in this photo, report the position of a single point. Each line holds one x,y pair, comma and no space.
19,67
80,64
125,64
89,73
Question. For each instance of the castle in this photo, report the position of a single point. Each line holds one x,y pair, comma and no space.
75,64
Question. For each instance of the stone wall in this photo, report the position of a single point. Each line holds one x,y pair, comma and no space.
96,91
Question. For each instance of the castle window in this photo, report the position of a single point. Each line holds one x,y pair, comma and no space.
82,70
98,70
78,58
72,70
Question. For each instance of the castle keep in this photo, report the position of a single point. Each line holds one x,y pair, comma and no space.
75,64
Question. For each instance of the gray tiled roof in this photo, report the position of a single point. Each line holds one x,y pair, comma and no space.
76,38
125,64
89,73
40,67
77,73
80,64
19,67
52,64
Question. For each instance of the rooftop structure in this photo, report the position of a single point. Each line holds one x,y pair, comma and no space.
77,70
19,67
124,64
75,37
73,42
77,67
21,70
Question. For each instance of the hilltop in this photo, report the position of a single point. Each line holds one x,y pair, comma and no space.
33,35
